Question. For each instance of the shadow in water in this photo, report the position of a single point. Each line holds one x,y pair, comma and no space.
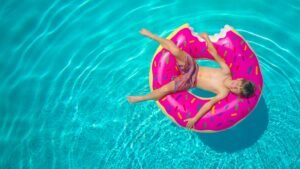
241,136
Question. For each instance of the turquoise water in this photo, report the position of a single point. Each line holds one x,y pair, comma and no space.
66,68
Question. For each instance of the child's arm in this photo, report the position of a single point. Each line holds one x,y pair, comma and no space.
204,109
212,50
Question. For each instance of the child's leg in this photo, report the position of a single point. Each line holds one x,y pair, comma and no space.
166,43
155,94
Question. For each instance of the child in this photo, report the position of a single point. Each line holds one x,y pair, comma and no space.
216,80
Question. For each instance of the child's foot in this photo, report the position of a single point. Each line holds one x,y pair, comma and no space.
134,99
145,32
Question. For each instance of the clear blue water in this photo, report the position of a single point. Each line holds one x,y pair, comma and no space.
66,68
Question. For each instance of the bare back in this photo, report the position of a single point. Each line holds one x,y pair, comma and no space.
211,79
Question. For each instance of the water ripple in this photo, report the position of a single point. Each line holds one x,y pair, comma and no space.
66,81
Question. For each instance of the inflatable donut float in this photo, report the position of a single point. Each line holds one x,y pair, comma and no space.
240,58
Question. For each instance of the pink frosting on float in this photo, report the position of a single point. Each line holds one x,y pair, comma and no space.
237,54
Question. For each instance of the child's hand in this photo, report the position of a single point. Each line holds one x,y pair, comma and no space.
191,122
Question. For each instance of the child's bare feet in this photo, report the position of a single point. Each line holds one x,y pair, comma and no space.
134,99
147,33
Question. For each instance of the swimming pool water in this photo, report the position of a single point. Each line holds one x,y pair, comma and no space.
66,68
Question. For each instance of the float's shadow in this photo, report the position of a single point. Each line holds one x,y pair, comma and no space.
241,136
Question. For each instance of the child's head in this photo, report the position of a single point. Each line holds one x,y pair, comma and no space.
242,87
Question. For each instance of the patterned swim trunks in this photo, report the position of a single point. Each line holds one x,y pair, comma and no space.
188,74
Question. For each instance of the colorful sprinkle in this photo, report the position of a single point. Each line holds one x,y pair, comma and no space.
251,55
204,125
184,43
211,119
164,98
226,107
230,65
193,100
203,50
179,115
256,70
186,97
177,97
219,124
188,115
236,107
169,108
199,107
229,120
220,114
154,63
191,41
176,108
167,60
233,114
245,48
249,70
213,110
242,42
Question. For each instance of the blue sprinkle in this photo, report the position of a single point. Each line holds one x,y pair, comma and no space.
188,115
249,69
169,108
211,119
220,114
178,97
229,120
203,50
199,106
219,124
226,107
